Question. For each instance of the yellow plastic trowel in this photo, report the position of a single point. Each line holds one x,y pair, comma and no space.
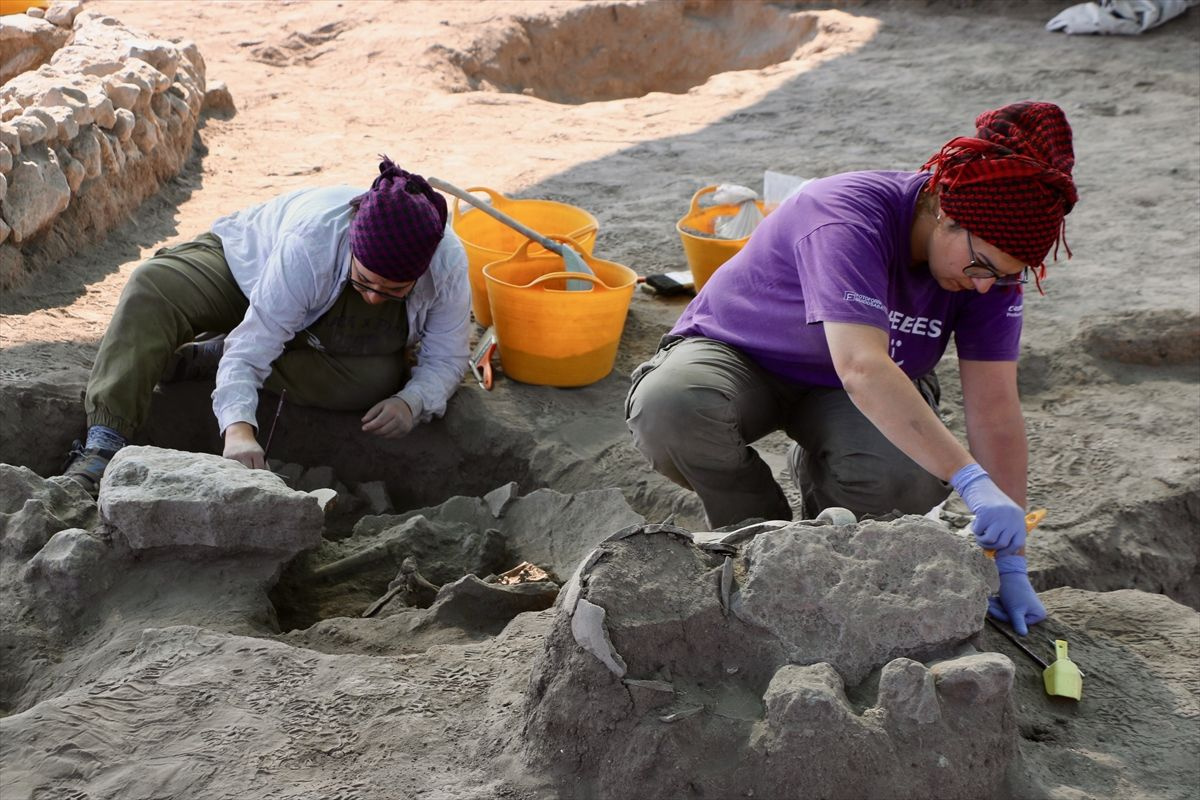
1063,678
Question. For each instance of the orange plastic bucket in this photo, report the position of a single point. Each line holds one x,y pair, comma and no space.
704,254
548,335
19,6
486,239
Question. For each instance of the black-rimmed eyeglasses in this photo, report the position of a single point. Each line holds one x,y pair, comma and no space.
978,269
363,287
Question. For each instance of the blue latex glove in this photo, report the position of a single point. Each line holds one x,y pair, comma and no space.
1017,604
999,522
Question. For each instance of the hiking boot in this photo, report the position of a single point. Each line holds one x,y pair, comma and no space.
195,361
800,479
86,465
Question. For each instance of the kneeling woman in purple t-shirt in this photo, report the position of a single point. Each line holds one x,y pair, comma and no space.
828,325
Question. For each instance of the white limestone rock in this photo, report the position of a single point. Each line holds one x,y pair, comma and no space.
166,500
27,42
38,192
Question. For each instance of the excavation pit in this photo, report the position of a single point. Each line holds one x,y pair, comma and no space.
617,50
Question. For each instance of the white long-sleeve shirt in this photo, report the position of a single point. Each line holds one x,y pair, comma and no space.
291,258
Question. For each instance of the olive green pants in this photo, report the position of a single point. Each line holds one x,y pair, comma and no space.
697,405
187,290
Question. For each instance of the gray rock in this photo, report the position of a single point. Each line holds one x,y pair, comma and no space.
27,42
374,495
760,688
472,604
974,679
122,95
836,515
37,194
166,500
907,692
32,509
870,593
10,137
74,172
71,568
218,100
86,148
123,127
6,160
32,129
162,56
63,13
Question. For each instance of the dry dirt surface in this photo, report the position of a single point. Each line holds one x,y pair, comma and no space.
625,109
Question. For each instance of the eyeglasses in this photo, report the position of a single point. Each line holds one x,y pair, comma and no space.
978,269
364,288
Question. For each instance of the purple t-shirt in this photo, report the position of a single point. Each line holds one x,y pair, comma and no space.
840,251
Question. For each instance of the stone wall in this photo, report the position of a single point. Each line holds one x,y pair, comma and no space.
94,130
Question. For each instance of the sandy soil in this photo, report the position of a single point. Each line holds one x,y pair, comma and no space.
1111,367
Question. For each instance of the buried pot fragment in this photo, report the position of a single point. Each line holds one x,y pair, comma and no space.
587,626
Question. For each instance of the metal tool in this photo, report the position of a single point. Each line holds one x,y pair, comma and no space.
1012,637
481,359
274,422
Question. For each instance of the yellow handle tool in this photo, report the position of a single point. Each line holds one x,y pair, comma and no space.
1031,521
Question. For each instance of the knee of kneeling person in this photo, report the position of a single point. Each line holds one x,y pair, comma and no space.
870,485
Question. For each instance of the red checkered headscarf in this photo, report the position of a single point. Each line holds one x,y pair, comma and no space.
1011,183
398,224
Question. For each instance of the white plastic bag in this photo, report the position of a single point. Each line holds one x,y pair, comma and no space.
741,224
1127,17
778,186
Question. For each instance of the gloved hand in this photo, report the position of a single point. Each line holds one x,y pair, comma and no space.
390,417
242,446
1017,604
999,522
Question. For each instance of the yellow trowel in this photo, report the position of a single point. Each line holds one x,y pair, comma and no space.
1031,521
1063,678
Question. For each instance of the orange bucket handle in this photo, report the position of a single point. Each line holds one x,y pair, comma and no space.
496,198
522,252
571,276
695,209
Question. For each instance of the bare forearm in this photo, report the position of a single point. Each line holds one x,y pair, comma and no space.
887,397
999,445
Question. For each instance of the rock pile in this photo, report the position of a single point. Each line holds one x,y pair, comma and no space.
774,656
94,117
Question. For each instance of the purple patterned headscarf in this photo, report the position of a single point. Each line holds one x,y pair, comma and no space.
398,225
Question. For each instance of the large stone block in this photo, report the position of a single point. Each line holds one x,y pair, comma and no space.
38,192
167,500
869,593
27,42
729,661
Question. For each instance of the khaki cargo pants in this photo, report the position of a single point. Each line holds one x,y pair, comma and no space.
698,404
186,290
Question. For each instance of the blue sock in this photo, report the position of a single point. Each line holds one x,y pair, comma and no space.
104,438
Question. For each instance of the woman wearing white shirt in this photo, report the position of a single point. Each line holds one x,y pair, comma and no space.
320,291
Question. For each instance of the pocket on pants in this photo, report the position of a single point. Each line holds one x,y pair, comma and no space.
646,367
